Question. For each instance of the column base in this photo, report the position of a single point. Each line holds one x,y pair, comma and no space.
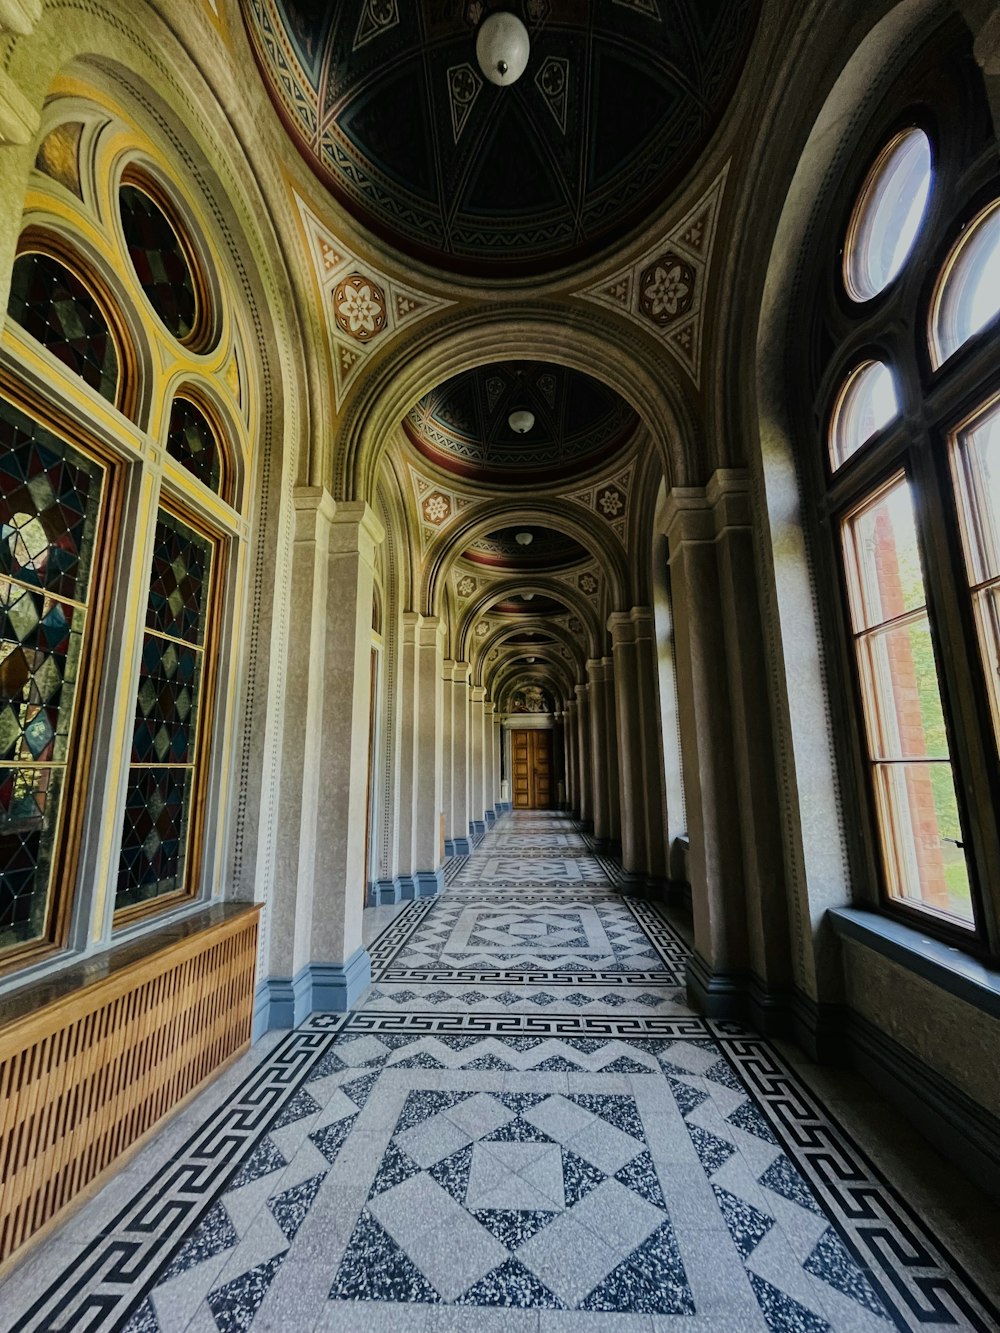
457,847
325,988
491,818
429,882
477,829
502,808
586,825
388,891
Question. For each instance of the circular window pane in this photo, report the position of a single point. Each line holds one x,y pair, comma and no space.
967,295
888,215
866,405
159,261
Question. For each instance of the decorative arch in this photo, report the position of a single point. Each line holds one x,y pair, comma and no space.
562,515
551,587
576,336
499,637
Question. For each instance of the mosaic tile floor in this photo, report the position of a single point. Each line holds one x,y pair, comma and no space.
522,1128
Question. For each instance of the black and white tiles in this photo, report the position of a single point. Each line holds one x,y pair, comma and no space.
522,1128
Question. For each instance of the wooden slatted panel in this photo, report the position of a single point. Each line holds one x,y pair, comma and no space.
85,1076
531,765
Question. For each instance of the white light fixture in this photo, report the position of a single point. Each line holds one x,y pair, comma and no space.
529,659
521,420
524,538
502,47
527,596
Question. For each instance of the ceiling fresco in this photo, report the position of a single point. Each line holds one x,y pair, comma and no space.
387,104
547,549
463,426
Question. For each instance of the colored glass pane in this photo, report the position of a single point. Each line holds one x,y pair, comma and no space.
191,442
159,261
50,502
164,737
54,306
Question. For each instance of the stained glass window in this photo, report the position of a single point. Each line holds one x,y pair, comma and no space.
54,306
158,803
159,261
191,442
50,502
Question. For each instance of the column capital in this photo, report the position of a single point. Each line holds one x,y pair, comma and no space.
489,707
581,692
477,693
355,527
621,627
461,672
430,630
700,513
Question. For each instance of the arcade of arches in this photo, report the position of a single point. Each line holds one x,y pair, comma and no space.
500,666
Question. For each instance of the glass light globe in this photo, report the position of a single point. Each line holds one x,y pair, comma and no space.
502,47
521,421
524,538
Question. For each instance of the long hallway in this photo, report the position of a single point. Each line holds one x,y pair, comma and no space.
524,1128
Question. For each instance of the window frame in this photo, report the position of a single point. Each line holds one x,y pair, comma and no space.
894,326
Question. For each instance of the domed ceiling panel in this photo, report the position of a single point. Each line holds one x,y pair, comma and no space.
463,424
388,105
546,550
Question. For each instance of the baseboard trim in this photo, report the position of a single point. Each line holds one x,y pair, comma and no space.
325,988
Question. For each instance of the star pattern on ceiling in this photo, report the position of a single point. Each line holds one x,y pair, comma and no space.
364,309
663,291
610,500
438,506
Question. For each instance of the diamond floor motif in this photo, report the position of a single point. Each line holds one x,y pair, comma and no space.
525,1128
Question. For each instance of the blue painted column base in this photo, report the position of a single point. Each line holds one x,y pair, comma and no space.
477,828
491,817
429,882
457,847
324,988
388,891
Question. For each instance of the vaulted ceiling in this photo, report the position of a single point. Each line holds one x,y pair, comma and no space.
388,105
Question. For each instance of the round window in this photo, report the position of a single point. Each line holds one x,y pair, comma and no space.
887,215
866,404
159,260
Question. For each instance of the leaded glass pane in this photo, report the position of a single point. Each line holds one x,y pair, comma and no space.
54,306
159,261
50,501
164,738
191,442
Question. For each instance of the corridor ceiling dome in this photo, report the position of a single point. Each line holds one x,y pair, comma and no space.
540,605
546,550
463,424
388,104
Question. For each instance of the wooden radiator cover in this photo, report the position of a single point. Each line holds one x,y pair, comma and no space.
91,1059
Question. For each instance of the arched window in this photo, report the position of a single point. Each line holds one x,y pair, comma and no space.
904,353
112,583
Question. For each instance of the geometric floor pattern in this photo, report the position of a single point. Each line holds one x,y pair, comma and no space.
523,1127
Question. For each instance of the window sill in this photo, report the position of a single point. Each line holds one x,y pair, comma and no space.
936,962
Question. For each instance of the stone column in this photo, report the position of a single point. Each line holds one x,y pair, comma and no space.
583,754
421,756
489,761
461,844
572,765
716,861
610,746
498,802
640,750
597,758
448,751
428,764
477,757
317,961
655,837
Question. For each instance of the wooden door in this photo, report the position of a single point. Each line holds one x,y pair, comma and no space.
531,764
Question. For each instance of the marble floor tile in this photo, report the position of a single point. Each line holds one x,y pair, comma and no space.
522,1129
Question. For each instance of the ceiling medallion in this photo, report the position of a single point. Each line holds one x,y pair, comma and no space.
360,307
502,48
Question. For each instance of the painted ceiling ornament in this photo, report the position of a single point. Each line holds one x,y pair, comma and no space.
482,629
610,501
365,309
663,292
436,508
466,585
666,289
587,583
615,107
360,306
575,624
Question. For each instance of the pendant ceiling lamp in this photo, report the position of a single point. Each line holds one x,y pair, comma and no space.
502,47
